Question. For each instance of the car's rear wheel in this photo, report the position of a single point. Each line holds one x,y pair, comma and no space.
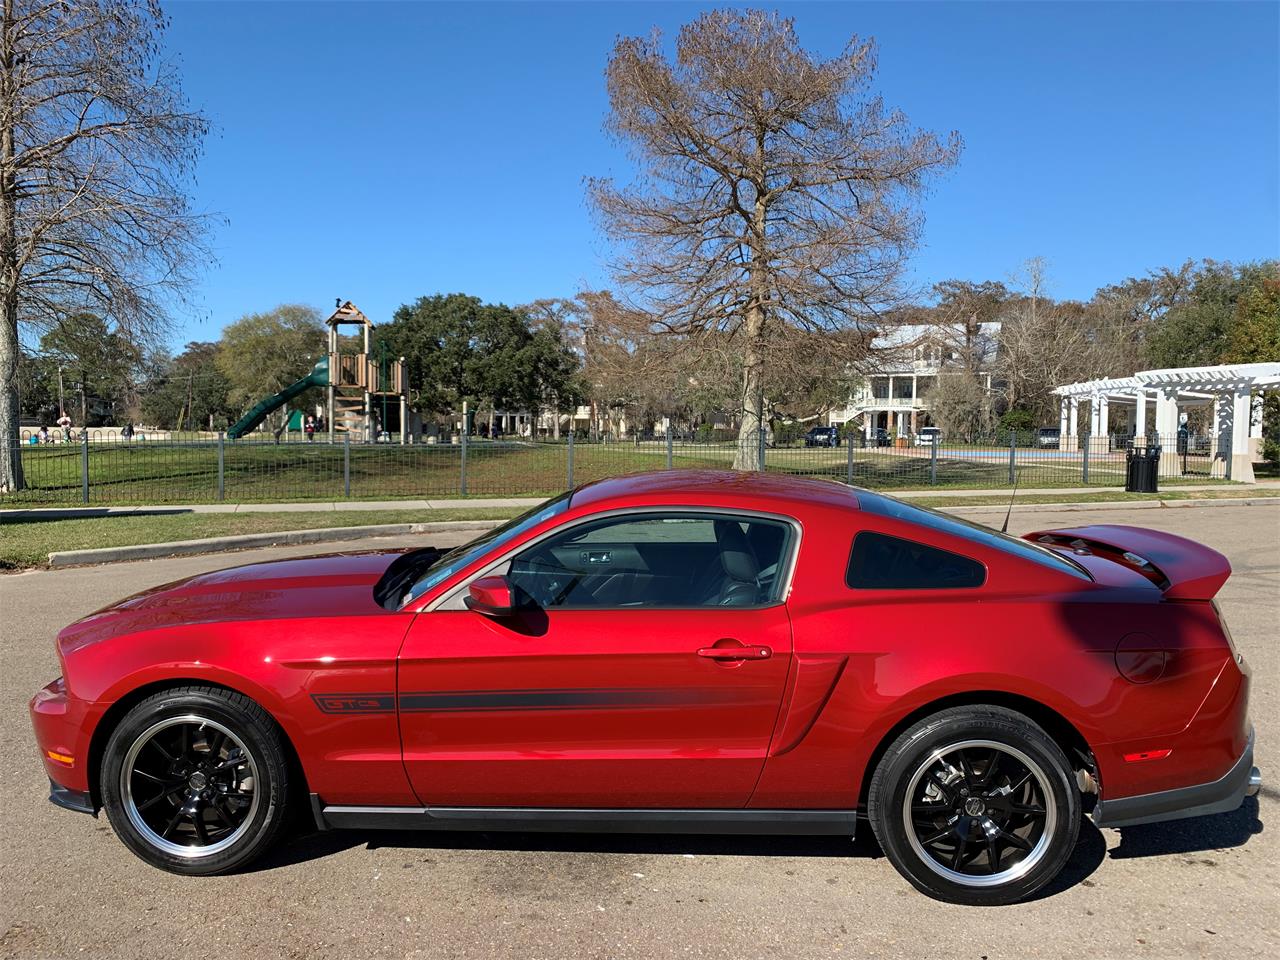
194,780
975,805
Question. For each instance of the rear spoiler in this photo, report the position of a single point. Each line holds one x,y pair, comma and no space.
1181,568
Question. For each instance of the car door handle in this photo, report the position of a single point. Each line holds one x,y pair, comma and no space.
738,651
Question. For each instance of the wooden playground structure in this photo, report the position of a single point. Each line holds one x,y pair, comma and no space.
357,381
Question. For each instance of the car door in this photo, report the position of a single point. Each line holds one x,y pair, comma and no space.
645,669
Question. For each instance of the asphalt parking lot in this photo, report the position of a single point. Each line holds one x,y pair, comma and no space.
1196,888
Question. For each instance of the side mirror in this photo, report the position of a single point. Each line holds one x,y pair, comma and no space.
491,596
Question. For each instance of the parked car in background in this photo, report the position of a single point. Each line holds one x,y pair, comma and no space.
678,652
928,436
822,437
879,437
1049,437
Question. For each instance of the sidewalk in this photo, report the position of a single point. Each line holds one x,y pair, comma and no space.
480,503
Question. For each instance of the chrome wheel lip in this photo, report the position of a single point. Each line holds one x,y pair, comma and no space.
1019,869
185,851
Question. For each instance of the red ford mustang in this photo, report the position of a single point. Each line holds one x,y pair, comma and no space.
669,652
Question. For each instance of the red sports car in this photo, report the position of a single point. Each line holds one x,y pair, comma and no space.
672,652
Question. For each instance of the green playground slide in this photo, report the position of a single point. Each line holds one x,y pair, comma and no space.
318,377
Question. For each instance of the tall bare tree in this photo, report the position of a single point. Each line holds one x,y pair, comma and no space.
96,148
776,192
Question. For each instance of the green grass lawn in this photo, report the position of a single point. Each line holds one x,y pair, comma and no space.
157,472
28,543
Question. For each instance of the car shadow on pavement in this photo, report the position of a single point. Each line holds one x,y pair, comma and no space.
1193,835
1089,853
1161,839
310,846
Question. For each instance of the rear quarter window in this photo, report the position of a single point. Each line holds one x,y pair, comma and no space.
881,562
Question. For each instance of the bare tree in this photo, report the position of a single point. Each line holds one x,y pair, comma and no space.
96,147
1045,343
777,191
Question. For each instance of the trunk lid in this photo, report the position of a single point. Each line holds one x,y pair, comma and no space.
1182,569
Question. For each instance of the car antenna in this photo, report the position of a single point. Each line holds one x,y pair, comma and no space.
1004,527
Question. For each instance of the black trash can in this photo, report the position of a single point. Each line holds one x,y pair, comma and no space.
1142,469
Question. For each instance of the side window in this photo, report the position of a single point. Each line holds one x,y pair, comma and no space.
882,562
656,560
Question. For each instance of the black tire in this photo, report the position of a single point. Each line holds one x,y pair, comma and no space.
208,778
975,805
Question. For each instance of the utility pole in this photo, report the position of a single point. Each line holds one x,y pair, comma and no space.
84,399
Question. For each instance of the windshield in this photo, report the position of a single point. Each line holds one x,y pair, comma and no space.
973,532
460,557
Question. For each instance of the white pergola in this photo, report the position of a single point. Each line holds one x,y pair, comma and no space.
1230,388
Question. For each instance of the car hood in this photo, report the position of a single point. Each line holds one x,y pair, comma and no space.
332,585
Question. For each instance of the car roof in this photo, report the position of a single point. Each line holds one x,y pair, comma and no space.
702,487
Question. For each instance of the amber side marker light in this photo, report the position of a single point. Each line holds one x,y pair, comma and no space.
60,757
1146,755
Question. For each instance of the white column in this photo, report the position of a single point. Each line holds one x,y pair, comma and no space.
1071,440
1064,418
1167,431
1140,415
1104,419
1167,418
1241,421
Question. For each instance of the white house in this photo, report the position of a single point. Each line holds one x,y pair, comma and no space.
911,358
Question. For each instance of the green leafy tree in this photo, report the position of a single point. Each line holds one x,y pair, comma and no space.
435,335
38,389
98,367
262,353
458,348
1197,328
1255,338
189,392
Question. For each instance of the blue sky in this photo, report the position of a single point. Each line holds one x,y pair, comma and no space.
383,151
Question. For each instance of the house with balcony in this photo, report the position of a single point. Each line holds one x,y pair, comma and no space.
909,359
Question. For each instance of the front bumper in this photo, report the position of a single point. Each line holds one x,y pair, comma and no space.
1201,800
62,725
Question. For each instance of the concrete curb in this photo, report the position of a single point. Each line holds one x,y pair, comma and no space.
248,541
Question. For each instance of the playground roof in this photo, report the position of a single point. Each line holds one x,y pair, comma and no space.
347,313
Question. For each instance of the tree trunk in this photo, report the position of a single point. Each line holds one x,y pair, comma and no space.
11,479
10,440
747,456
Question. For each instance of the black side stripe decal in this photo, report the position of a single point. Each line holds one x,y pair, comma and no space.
496,700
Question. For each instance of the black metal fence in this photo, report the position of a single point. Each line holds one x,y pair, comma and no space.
217,469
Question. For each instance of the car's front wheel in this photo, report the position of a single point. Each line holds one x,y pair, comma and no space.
194,780
975,805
